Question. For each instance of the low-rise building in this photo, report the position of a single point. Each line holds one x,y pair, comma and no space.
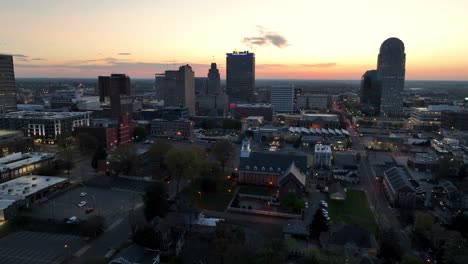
20,164
313,101
292,182
398,188
266,167
348,176
320,121
242,111
180,129
44,126
109,132
254,121
323,156
424,162
429,118
12,141
23,191
455,120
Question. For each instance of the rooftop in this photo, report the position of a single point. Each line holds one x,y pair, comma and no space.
17,160
254,105
19,188
398,178
43,115
322,148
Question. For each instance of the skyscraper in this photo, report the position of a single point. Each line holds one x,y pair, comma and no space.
370,93
178,88
282,98
7,84
214,80
114,84
391,70
240,76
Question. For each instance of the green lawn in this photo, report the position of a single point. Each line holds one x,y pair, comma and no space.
354,210
213,201
256,190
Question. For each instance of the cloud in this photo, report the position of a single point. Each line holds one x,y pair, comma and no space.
124,53
311,65
19,55
265,38
320,65
38,59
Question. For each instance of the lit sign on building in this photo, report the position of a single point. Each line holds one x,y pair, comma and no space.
236,52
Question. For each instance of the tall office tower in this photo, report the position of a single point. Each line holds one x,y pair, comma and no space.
371,90
214,80
240,76
179,88
282,98
391,69
7,84
201,85
114,84
159,85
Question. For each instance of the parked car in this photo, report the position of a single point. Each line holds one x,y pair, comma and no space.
89,210
72,220
82,203
323,204
83,194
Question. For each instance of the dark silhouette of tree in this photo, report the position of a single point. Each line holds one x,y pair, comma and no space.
140,133
147,237
232,124
157,154
99,154
390,249
86,142
319,224
155,201
222,151
208,124
124,158
183,163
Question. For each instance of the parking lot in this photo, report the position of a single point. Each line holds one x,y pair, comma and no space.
111,204
32,247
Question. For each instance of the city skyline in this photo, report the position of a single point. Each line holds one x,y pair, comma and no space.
310,41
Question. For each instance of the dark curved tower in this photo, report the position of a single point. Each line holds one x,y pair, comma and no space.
391,69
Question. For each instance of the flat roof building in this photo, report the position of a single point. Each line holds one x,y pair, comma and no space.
20,164
24,191
45,126
240,76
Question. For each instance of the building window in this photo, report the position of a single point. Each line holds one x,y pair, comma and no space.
255,168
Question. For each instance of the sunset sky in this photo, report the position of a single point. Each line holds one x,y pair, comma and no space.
301,39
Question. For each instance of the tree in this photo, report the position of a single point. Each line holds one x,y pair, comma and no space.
423,222
390,250
208,124
232,124
455,250
147,237
157,154
411,260
93,226
86,142
175,260
319,224
140,133
294,203
66,157
182,163
312,256
228,244
99,154
155,201
124,158
272,254
64,140
222,152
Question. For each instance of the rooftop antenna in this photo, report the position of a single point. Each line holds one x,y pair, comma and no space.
212,58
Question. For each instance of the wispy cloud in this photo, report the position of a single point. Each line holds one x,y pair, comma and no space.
38,59
320,65
124,53
19,55
311,65
266,37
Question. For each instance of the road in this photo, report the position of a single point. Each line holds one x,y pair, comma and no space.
385,215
